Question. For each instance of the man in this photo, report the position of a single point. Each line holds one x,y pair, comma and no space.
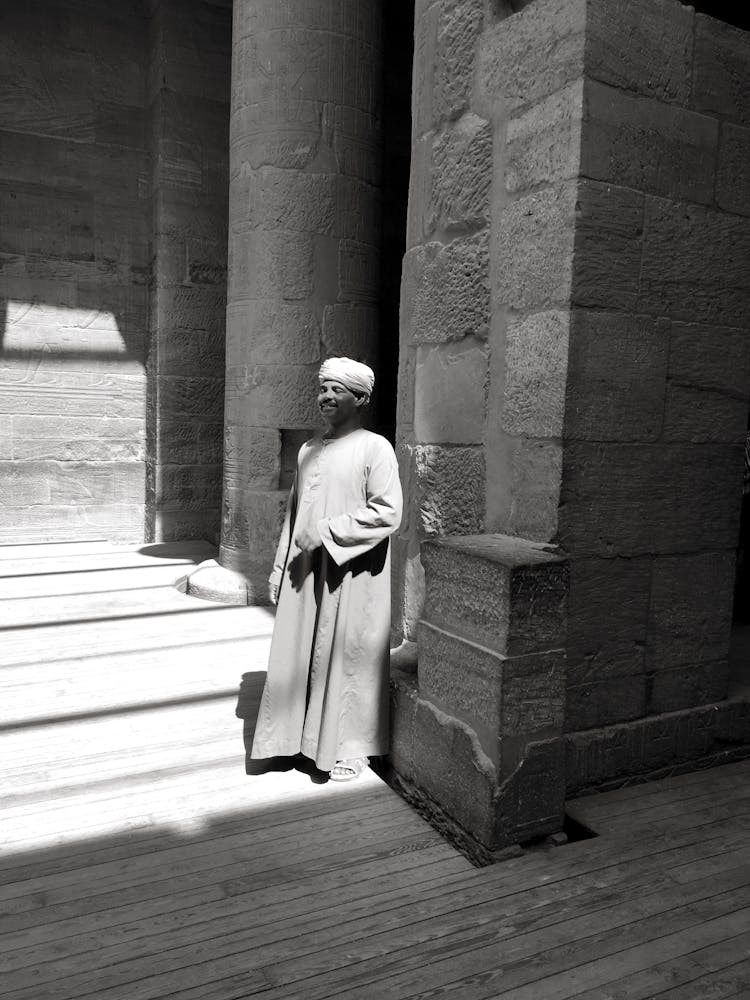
326,692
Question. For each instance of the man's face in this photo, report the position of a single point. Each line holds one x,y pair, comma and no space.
337,404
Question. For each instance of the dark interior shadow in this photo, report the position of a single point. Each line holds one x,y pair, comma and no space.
164,550
248,703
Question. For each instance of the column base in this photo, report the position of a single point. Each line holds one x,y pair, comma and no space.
212,582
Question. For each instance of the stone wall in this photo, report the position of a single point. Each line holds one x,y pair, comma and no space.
445,304
74,259
114,128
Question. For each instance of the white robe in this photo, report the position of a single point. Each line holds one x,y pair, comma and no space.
326,692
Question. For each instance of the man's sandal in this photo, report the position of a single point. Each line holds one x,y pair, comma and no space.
348,770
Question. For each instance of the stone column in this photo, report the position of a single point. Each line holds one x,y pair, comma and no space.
303,251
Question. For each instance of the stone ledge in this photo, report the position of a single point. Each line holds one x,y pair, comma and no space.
657,746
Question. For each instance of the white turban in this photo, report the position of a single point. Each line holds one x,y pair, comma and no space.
353,374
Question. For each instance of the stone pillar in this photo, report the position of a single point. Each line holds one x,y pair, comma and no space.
303,251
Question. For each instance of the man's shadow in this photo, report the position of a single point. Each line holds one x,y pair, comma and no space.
248,704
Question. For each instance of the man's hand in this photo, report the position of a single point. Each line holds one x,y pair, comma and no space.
308,539
273,593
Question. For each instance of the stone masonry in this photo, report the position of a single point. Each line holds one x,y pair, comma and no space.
112,259
574,363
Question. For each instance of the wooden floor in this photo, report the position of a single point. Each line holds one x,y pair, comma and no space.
138,860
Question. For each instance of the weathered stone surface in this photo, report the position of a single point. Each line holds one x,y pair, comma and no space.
271,396
503,592
502,699
449,397
531,803
703,283
692,684
448,489
693,414
721,75
252,456
733,169
543,142
251,525
710,357
445,40
605,702
190,441
536,360
620,499
188,487
266,265
450,765
690,612
533,54
265,331
445,291
641,45
48,522
191,396
645,144
536,473
607,618
617,376
459,176
533,242
609,222
663,741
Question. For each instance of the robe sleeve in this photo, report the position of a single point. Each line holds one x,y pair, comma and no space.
349,535
282,550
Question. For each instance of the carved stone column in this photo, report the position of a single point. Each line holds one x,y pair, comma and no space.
304,221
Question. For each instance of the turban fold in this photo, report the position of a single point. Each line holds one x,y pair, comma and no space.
353,374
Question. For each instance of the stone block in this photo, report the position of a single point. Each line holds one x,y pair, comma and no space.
6,437
609,224
703,283
721,72
692,414
252,457
445,291
272,396
194,441
531,802
449,392
533,249
641,45
450,765
532,54
543,141
713,361
635,142
92,449
690,613
536,365
270,265
448,489
617,376
459,176
691,684
188,487
286,200
266,331
607,618
605,702
406,397
503,592
116,522
403,708
620,499
536,475
733,170
463,679
187,352
189,395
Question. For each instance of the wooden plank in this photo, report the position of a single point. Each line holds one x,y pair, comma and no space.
714,971
468,953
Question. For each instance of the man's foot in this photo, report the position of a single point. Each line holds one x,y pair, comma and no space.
348,770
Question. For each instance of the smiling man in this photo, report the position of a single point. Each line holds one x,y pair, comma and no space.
326,692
